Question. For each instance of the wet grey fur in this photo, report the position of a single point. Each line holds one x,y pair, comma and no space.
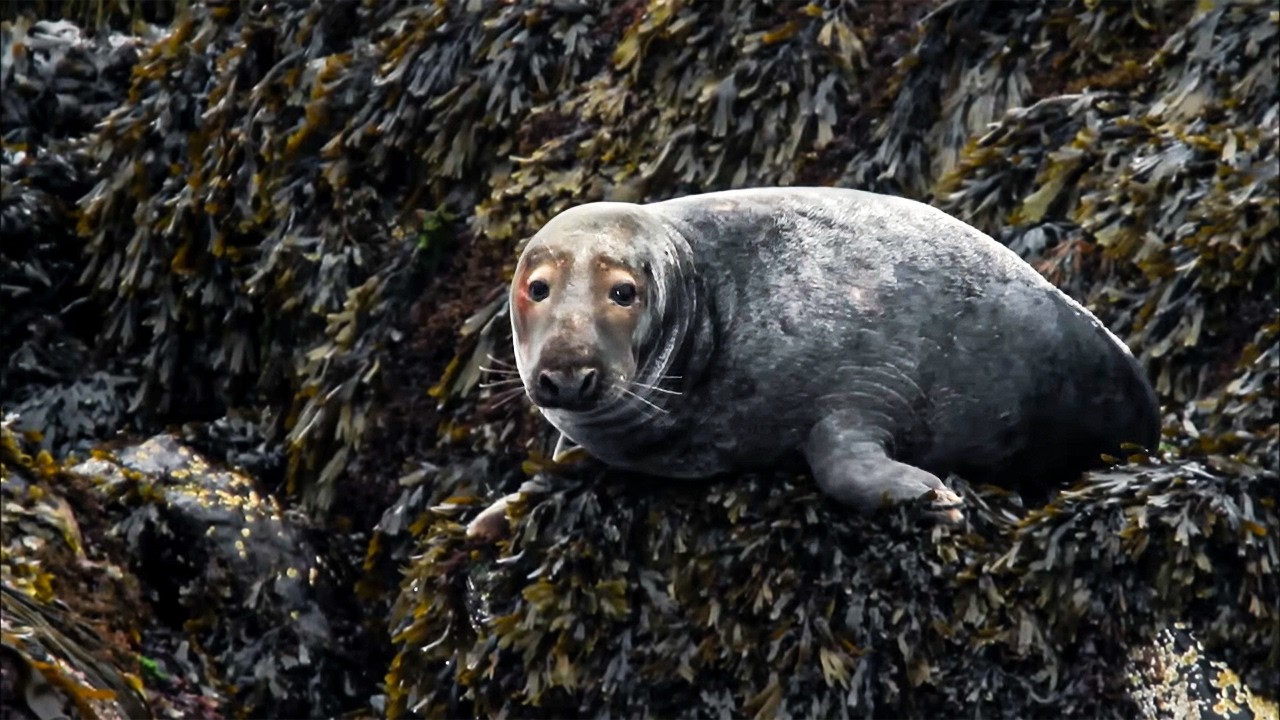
881,340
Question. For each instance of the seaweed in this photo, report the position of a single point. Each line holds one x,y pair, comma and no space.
73,613
58,84
754,596
975,61
284,281
97,15
1159,210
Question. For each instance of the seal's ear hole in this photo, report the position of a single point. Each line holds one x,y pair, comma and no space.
539,290
623,293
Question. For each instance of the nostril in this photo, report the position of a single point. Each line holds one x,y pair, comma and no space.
546,384
589,378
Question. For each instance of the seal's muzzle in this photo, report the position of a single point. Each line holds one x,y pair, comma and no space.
572,388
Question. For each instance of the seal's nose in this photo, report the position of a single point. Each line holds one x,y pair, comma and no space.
572,388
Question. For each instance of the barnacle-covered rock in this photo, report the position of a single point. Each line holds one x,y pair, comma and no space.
1174,678
78,641
238,441
229,565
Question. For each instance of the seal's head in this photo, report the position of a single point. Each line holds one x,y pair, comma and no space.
587,306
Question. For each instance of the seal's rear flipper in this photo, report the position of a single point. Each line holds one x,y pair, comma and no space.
850,464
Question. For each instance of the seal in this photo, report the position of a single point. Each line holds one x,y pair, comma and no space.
879,340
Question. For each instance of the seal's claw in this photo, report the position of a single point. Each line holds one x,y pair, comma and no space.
947,506
569,457
850,464
491,524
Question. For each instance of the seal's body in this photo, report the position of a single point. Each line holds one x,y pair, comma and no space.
887,342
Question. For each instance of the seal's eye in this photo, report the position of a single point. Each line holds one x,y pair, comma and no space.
623,293
539,290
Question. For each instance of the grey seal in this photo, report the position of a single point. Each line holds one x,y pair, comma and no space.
878,339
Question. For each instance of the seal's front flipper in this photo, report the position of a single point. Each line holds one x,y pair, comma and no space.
850,464
566,449
491,524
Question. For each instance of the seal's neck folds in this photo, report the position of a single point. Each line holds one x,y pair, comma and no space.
680,341
685,330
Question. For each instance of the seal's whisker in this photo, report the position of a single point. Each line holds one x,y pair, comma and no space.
655,388
498,371
644,400
498,361
502,399
499,383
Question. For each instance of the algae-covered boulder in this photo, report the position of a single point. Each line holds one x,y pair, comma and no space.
80,639
147,576
614,597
